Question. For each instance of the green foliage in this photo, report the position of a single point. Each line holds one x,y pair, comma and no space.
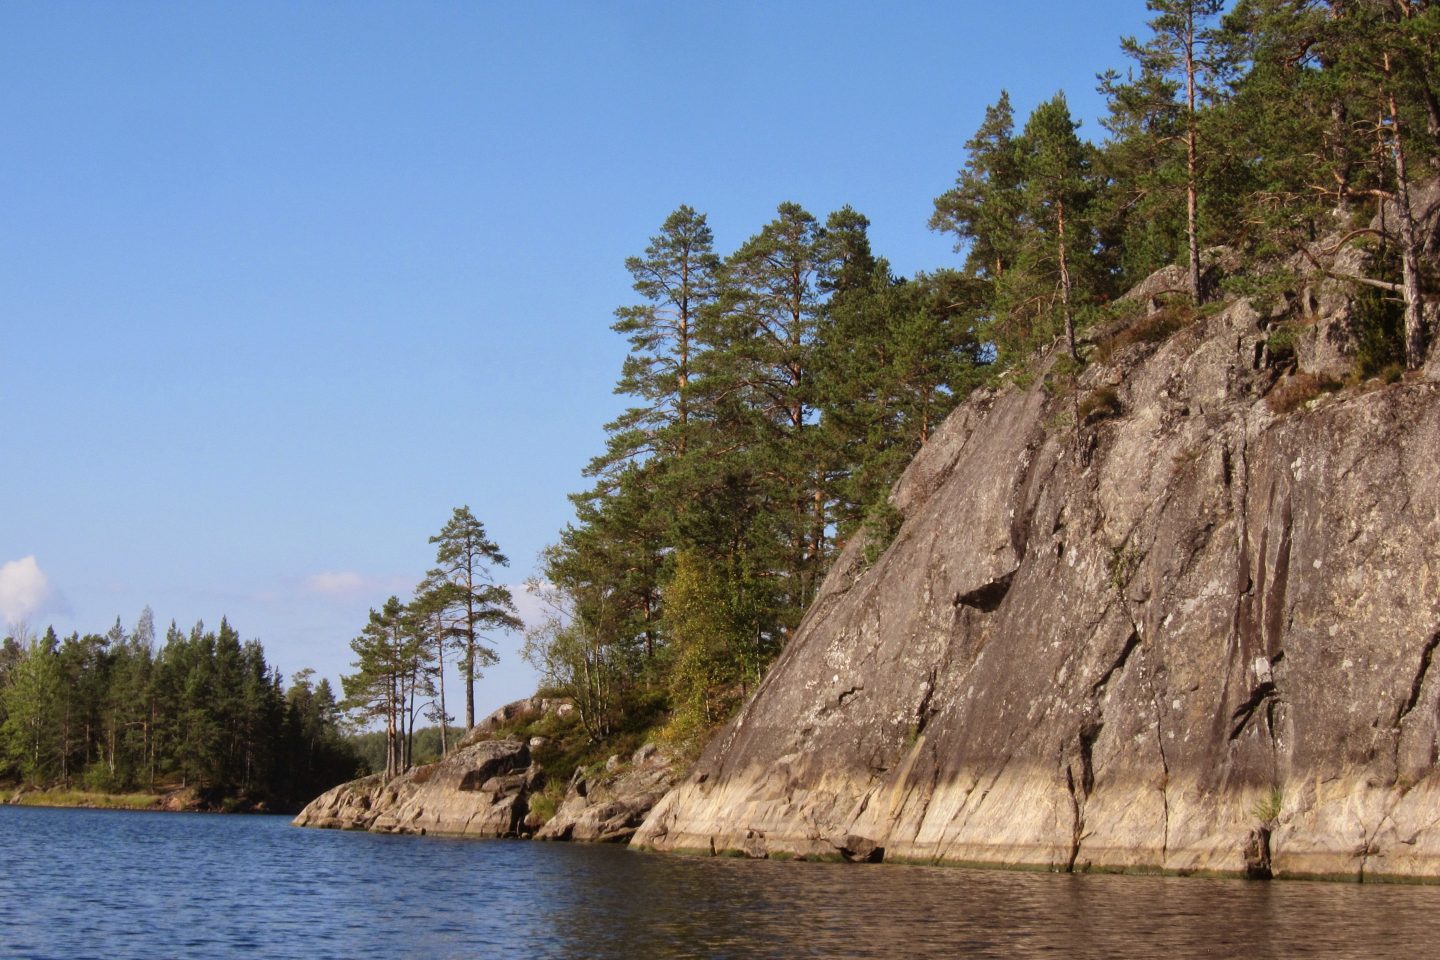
982,208
713,633
1121,565
882,523
1268,808
464,559
99,800
1267,290
370,747
112,713
1280,344
1378,328
778,393
32,697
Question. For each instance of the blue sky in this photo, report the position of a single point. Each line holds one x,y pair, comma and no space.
282,284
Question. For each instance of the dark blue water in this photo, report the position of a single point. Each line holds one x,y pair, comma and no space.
83,883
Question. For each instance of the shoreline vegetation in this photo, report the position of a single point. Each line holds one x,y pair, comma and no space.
178,800
85,799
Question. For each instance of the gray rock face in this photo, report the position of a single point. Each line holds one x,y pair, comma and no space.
610,809
479,790
1193,636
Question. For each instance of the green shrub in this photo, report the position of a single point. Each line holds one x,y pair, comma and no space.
544,803
1280,344
1378,326
1267,808
882,522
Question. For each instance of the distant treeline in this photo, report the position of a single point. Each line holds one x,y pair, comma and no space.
114,712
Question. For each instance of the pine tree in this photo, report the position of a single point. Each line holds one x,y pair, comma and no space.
465,556
31,697
435,612
1181,55
981,210
677,279
757,380
1058,189
377,690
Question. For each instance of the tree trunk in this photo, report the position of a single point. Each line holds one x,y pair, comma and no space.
1409,244
1065,283
469,645
444,738
1192,190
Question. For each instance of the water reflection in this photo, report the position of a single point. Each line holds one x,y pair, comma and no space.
101,884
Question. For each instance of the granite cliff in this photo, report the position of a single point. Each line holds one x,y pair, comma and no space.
1178,614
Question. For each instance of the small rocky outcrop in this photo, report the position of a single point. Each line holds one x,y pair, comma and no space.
610,807
479,790
485,787
1193,632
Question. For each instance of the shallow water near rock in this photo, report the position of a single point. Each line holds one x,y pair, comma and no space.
89,883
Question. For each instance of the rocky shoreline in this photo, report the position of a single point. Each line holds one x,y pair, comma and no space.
486,788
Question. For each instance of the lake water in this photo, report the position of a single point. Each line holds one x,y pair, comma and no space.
83,883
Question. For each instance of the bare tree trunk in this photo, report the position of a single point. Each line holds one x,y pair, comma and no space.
391,718
1065,283
444,722
469,648
1409,244
1192,190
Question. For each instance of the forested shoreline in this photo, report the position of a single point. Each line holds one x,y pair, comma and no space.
126,711
778,390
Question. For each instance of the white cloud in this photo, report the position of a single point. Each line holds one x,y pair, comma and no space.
532,610
336,583
349,584
24,589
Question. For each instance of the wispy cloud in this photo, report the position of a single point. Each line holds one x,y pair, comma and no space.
348,583
335,583
24,590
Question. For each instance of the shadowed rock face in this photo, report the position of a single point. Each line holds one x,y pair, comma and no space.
1193,636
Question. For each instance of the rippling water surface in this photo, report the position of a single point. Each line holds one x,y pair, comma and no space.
83,883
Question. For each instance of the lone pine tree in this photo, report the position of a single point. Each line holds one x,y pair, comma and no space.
465,556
